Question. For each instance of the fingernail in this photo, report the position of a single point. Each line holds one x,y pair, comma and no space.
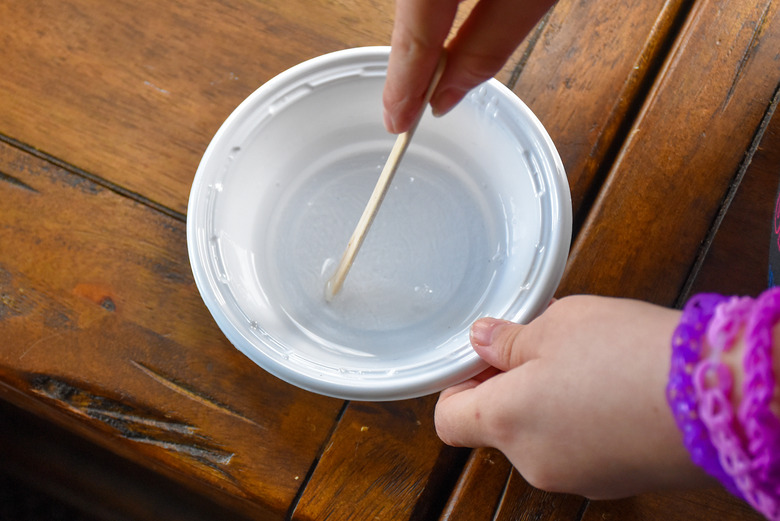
389,123
438,113
483,331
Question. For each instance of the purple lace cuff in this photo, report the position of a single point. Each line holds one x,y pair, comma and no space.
712,381
759,478
687,345
742,449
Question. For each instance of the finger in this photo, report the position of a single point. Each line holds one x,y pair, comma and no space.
460,414
419,32
488,37
502,344
485,375
458,388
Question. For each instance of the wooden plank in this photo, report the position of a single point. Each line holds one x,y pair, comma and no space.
482,495
736,261
91,480
384,461
480,488
682,506
103,331
523,502
644,232
133,91
585,89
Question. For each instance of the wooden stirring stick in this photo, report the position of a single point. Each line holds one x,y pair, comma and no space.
334,284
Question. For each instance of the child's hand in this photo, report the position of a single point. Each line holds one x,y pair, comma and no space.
577,400
483,44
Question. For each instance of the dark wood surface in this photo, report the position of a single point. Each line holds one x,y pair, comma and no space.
663,113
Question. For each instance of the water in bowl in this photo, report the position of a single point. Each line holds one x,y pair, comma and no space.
430,255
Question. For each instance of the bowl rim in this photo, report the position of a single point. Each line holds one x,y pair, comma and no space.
400,387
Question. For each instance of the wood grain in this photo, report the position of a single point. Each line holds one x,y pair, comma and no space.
704,505
384,462
480,489
586,76
688,129
103,325
736,259
132,92
94,481
482,495
523,502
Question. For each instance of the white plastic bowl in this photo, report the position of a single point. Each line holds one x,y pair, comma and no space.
477,223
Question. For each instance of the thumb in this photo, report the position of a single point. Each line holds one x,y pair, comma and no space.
501,343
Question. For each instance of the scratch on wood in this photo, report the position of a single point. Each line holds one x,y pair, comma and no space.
746,55
191,393
180,428
38,342
155,87
16,182
13,301
220,458
135,423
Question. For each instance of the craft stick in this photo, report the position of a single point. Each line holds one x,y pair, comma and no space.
334,284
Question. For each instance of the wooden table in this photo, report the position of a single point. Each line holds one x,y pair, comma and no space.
118,390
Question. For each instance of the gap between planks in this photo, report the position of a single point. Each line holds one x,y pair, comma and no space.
728,198
93,178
